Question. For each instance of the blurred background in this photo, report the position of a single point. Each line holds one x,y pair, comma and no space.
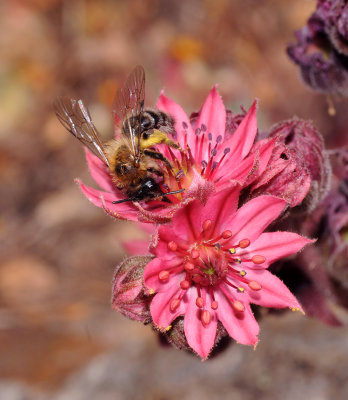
59,338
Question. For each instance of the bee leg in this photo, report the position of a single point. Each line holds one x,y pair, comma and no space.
157,156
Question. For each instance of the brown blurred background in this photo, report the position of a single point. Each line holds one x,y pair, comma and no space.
59,338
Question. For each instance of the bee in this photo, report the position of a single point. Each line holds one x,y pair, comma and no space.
132,161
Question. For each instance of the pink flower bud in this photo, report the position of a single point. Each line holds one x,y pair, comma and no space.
299,170
128,296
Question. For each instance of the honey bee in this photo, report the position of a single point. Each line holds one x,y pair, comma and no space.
131,158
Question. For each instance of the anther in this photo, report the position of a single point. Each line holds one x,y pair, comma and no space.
174,304
210,136
244,243
206,224
172,246
184,284
203,127
189,266
240,290
197,131
217,246
204,164
242,272
258,259
238,260
227,150
205,317
199,302
226,234
163,275
238,306
232,250
214,152
218,139
184,125
194,254
254,285
214,305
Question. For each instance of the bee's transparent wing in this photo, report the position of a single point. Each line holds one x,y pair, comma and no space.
129,103
75,118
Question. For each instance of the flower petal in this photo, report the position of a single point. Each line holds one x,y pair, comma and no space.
254,217
212,117
243,138
160,306
273,246
154,267
105,199
241,326
182,122
188,221
200,337
99,171
273,293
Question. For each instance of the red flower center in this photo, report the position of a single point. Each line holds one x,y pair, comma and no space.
209,263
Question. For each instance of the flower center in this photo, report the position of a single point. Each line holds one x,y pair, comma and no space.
211,265
205,160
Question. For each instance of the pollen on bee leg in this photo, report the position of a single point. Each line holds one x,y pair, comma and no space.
254,285
238,306
172,246
163,275
258,259
206,317
174,304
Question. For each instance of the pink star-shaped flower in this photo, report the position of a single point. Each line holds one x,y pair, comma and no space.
213,158
211,263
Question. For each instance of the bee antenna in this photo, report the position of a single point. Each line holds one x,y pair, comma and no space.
122,201
174,192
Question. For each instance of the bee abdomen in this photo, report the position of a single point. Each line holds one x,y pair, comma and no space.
160,119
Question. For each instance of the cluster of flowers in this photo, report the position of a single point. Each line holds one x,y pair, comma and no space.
208,262
322,48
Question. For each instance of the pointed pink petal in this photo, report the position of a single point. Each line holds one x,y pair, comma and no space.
254,217
213,117
188,221
243,138
274,246
136,247
200,337
98,198
264,148
273,293
238,172
155,266
99,171
182,122
241,326
160,306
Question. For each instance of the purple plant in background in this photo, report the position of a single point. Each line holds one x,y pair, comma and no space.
321,51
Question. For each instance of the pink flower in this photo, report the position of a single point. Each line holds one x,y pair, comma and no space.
211,263
214,158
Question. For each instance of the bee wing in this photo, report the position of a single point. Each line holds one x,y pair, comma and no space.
75,118
129,103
